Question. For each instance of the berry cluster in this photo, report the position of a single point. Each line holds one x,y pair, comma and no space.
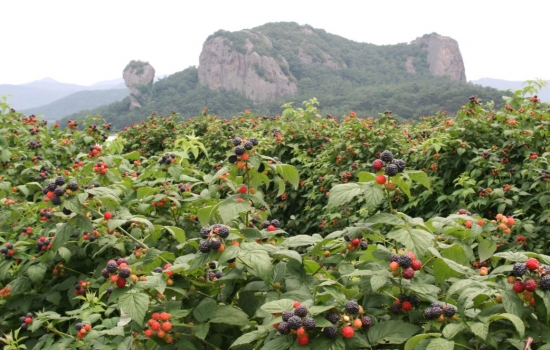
72,124
78,164
82,329
54,190
348,320
5,292
533,275
219,230
504,223
393,165
117,271
59,269
404,264
167,158
80,287
101,168
405,303
34,144
272,225
159,325
184,187
297,322
25,321
544,175
356,243
43,244
438,312
95,151
44,173
138,250
7,251
91,236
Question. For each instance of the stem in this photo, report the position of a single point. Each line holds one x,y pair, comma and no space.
464,346
141,243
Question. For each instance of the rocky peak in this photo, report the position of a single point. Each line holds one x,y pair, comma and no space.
444,57
138,77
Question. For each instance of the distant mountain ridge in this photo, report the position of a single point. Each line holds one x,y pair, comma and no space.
543,94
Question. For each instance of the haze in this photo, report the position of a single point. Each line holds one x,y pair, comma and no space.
84,42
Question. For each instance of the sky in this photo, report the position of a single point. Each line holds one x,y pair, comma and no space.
84,42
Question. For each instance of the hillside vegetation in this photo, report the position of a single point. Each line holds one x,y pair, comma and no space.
372,79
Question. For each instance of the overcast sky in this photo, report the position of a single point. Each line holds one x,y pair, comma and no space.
84,42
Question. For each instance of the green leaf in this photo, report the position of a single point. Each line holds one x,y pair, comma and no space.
177,233
135,305
289,173
229,209
230,315
385,218
300,240
259,261
420,177
342,194
442,271
278,343
373,196
452,329
416,240
157,282
364,176
413,342
391,332
402,184
441,344
201,330
480,329
516,321
512,303
62,235
205,310
20,285
277,306
37,272
250,337
486,249
145,191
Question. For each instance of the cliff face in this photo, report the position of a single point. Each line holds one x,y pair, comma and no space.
258,77
138,77
444,57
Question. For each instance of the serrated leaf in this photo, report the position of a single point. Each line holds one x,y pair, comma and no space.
516,321
480,329
135,305
177,233
391,332
277,306
385,218
37,272
420,177
62,235
413,342
230,315
486,249
416,240
229,209
250,337
259,261
342,194
205,310
441,344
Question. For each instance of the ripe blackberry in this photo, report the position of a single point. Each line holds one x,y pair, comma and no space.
219,274
415,300
248,145
59,191
55,200
295,322
124,272
24,326
78,326
366,321
204,232
394,257
239,150
400,164
66,211
254,141
352,307
386,156
214,243
396,308
110,289
237,141
437,311
404,297
60,181
330,332
212,265
266,224
204,247
96,184
22,319
545,282
283,328
364,245
333,317
404,261
276,223
391,170
429,313
286,315
309,323
231,261
105,273
300,311
51,186
347,238
112,267
158,269
449,311
223,232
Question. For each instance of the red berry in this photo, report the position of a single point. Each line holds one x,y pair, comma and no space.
532,264
416,265
79,335
166,326
468,224
271,228
381,179
355,242
87,327
406,306
530,285
155,325
242,189
28,320
108,215
155,316
303,340
296,304
408,273
301,332
377,164
165,316
347,332
121,282
518,287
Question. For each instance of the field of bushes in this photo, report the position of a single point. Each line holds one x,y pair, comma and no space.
295,231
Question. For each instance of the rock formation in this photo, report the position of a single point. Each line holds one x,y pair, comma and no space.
444,56
259,77
138,77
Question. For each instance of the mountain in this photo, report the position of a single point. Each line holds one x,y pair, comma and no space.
263,67
76,102
543,94
42,92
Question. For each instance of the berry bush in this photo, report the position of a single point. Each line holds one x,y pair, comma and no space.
298,231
